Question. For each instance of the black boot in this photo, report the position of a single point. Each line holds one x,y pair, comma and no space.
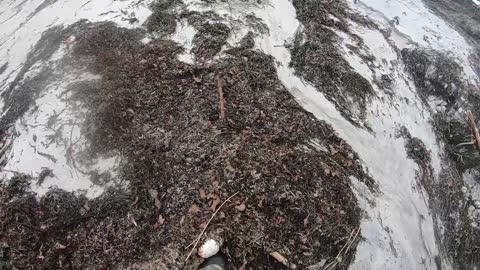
216,262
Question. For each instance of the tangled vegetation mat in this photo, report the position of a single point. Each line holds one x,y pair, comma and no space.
190,137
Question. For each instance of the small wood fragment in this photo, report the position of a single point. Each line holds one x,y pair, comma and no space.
473,126
281,259
220,83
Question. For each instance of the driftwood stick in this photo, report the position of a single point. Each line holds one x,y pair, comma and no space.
473,126
221,102
195,243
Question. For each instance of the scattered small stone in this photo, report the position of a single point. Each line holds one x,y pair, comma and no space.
209,248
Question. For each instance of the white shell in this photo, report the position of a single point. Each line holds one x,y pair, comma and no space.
209,248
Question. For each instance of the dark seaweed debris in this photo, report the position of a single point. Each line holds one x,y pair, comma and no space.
317,58
162,116
457,135
417,151
434,74
21,92
463,14
209,40
438,75
162,21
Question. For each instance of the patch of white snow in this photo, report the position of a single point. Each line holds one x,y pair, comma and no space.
184,37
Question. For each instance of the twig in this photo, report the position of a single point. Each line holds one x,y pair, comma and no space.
346,247
473,125
206,226
220,83
351,242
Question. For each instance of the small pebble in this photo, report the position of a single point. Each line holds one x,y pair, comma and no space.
209,248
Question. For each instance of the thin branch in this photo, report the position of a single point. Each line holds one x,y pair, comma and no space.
195,243
473,125
346,247
221,102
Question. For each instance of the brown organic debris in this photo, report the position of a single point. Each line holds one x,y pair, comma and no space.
195,243
181,160
241,207
474,129
221,98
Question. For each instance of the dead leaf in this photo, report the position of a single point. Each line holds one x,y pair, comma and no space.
279,257
304,239
230,168
214,204
333,151
203,195
158,204
193,209
212,196
132,220
59,246
262,200
241,207
153,193
160,222
84,209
